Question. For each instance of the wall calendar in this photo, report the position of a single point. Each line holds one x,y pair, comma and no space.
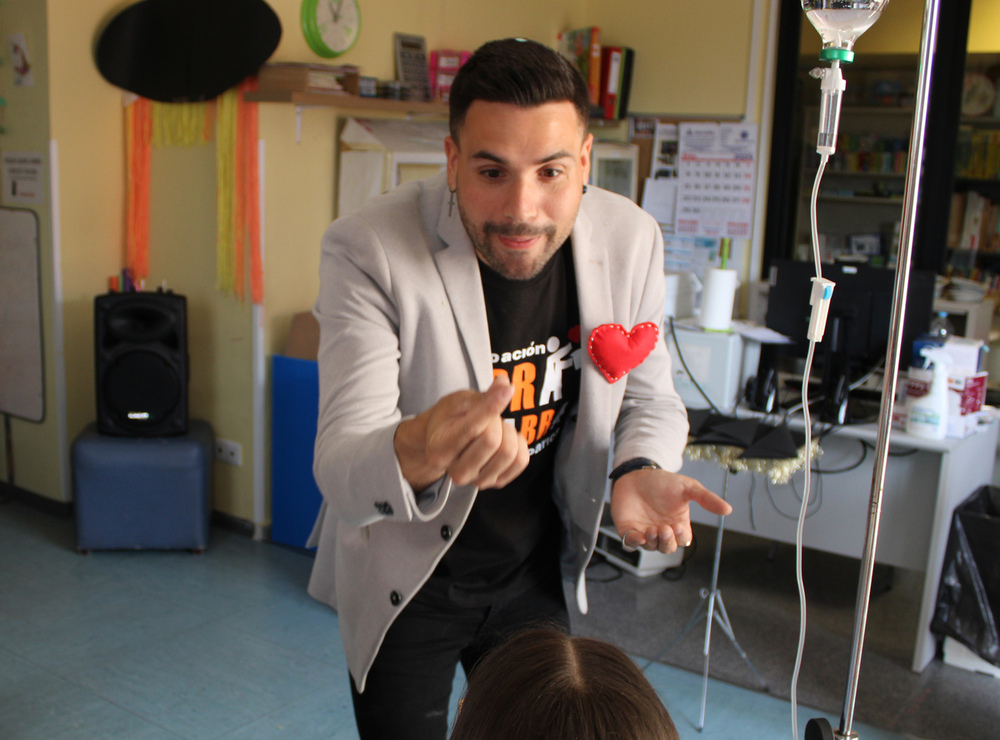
717,164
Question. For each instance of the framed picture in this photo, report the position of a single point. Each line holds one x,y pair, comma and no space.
615,167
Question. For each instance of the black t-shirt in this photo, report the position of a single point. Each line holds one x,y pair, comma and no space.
512,536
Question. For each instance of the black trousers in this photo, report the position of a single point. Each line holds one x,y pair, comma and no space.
409,685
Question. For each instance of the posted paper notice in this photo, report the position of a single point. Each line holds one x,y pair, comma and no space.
23,178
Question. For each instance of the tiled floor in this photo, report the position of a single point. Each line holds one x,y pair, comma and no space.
158,645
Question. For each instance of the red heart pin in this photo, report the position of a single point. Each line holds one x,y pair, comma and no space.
616,351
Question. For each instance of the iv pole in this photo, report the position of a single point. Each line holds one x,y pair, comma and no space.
820,729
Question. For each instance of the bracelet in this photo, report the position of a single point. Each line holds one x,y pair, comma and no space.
636,463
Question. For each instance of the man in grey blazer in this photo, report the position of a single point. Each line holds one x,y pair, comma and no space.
489,341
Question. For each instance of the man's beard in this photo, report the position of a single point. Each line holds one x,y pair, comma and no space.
510,263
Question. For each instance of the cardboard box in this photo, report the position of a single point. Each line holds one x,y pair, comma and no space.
306,77
966,395
967,355
303,338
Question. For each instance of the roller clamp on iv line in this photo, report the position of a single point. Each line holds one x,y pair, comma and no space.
822,293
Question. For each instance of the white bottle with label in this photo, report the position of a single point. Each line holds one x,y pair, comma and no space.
928,414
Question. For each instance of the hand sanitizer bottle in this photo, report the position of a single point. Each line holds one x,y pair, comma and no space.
928,414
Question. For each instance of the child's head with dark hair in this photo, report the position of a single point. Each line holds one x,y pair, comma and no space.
546,685
519,72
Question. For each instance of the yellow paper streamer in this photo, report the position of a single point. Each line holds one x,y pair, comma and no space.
225,156
181,124
237,210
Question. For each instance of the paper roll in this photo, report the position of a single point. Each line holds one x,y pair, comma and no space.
717,299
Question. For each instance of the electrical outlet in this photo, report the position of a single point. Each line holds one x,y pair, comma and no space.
228,452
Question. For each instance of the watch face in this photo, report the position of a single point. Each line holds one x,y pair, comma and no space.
331,26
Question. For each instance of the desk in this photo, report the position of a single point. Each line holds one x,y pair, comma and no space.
922,490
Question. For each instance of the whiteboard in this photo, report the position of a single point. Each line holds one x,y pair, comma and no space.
21,387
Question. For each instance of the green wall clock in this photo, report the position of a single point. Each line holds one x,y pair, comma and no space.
331,26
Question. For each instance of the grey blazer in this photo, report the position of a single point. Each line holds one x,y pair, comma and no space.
403,323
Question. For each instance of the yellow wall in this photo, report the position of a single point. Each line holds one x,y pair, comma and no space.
984,27
685,66
899,28
26,129
688,62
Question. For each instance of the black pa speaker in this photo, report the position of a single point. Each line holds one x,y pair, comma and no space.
140,351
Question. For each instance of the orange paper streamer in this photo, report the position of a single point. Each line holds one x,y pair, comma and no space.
238,183
138,135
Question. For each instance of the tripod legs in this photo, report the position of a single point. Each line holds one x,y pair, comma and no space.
722,618
713,608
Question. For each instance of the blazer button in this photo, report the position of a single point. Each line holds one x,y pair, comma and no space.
395,598
445,533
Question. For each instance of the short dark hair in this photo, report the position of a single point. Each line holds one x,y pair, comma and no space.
524,73
546,685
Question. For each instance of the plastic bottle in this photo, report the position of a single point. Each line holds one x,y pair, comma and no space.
928,414
941,327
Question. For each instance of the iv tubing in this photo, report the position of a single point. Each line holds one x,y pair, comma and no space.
807,487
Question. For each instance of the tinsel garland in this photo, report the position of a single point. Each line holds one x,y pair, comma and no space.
778,470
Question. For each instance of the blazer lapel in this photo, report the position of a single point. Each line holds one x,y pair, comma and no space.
593,284
593,280
459,269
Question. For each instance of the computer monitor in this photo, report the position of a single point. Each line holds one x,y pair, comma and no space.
857,330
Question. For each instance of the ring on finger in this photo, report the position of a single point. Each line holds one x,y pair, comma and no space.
677,539
625,545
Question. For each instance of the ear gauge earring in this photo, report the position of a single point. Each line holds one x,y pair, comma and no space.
451,200
584,189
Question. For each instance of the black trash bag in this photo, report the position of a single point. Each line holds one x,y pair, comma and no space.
968,600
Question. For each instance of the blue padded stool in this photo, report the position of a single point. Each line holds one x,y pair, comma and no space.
143,493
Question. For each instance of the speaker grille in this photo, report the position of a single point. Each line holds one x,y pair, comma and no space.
141,388
142,322
141,363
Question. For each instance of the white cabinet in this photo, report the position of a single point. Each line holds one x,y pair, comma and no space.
970,319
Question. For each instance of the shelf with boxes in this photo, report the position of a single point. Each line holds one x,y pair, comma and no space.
322,85
348,101
868,169
862,187
973,239
860,202
973,236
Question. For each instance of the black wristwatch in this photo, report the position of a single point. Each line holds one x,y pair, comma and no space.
636,463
